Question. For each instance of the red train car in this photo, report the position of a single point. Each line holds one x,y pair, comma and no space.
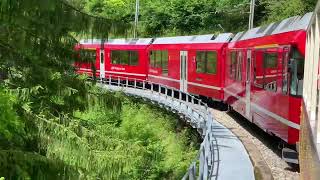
193,64
117,57
264,76
90,54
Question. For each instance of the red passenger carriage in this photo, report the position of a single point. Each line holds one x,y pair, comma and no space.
126,58
193,64
264,76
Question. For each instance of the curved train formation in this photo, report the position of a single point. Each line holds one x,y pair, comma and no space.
259,72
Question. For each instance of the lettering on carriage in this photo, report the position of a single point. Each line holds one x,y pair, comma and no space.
118,68
153,71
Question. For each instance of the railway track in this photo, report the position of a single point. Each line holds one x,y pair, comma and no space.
262,147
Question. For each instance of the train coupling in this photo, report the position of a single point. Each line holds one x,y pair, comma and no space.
290,156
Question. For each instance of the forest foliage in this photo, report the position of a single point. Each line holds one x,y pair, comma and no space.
54,124
181,17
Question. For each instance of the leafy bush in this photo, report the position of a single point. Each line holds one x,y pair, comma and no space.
11,126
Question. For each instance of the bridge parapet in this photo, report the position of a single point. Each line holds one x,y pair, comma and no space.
221,154
309,143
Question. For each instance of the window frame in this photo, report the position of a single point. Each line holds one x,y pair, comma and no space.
297,60
93,55
265,53
206,62
120,61
236,58
233,64
159,61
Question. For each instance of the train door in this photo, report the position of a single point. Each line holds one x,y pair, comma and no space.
183,71
248,83
102,67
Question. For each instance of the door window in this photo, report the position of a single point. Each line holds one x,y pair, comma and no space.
270,66
296,66
266,69
235,65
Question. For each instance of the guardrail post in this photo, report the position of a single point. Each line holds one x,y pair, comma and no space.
159,89
180,95
118,81
135,83
109,79
151,87
166,91
127,82
194,170
143,84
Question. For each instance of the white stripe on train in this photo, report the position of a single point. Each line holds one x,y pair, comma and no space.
269,113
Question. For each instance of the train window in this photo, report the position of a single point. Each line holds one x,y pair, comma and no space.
270,60
270,65
296,67
152,58
87,55
206,62
115,57
124,57
258,71
159,59
285,71
201,62
266,70
239,66
235,67
211,67
134,58
232,67
164,62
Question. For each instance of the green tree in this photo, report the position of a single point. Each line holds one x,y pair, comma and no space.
280,9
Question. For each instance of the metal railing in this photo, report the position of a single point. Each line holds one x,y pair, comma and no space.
196,112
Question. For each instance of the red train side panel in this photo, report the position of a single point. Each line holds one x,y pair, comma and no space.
264,75
125,58
193,64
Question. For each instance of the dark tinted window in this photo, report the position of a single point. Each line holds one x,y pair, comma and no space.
296,65
270,60
87,55
232,66
206,62
159,59
124,57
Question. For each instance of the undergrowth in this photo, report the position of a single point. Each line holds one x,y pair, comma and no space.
140,141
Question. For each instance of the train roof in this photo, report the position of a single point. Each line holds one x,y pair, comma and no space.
290,24
140,41
209,38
